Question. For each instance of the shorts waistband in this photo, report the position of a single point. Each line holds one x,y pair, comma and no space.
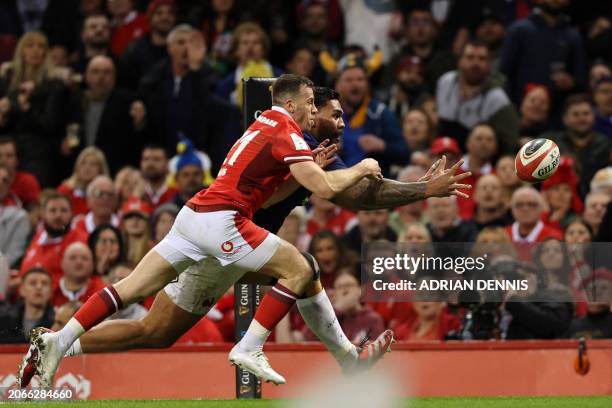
200,208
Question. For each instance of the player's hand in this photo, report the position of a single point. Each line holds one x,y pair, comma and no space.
371,169
434,169
444,182
324,155
371,143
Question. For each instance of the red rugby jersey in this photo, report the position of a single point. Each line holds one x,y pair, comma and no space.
257,163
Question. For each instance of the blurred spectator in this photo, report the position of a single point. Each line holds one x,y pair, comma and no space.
429,323
602,95
95,40
325,215
163,218
505,170
481,146
446,146
597,324
535,108
595,205
470,95
102,203
372,130
599,70
493,241
106,245
189,176
527,206
178,100
373,226
53,237
544,49
127,25
217,21
14,221
90,163
135,215
302,62
22,184
412,212
32,106
144,53
154,169
602,181
327,249
444,223
590,148
490,30
78,282
33,310
381,17
417,129
129,183
408,87
107,116
250,44
531,319
553,262
420,34
314,32
135,311
561,193
490,208
357,320
63,314
599,30
428,104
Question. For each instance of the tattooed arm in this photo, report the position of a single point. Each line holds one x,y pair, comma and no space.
370,194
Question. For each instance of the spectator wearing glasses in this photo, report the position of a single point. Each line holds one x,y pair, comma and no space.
102,201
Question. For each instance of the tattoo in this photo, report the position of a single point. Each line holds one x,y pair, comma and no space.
370,194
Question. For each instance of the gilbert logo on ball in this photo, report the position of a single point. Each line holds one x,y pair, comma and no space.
537,160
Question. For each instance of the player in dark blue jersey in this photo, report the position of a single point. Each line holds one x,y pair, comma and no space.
166,321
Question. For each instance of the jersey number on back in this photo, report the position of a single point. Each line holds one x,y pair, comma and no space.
242,142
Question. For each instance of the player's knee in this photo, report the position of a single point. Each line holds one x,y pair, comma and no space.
303,272
315,272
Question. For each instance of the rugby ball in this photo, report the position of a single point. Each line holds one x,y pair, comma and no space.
537,160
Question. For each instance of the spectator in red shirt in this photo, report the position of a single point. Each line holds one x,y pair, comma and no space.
430,322
326,215
204,331
53,236
89,164
527,207
78,282
561,192
481,147
23,184
327,249
127,25
357,320
102,201
154,169
106,244
15,224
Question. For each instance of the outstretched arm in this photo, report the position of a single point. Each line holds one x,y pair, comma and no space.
370,194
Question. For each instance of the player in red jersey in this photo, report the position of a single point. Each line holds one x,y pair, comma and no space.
216,225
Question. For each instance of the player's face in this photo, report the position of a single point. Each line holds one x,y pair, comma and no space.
304,109
329,123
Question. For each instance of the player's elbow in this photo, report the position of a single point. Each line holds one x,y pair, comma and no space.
326,192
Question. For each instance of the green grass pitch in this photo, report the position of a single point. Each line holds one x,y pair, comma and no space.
450,402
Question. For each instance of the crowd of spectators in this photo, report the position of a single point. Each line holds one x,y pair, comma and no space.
113,113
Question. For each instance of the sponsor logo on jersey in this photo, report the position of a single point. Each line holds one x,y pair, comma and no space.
267,121
300,144
227,246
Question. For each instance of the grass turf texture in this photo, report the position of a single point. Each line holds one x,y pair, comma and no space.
450,402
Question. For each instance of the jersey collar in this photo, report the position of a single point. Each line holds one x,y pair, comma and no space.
281,110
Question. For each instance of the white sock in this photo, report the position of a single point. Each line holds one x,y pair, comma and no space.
75,349
254,338
319,315
69,334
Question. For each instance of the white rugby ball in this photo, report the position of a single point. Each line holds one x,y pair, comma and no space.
537,160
